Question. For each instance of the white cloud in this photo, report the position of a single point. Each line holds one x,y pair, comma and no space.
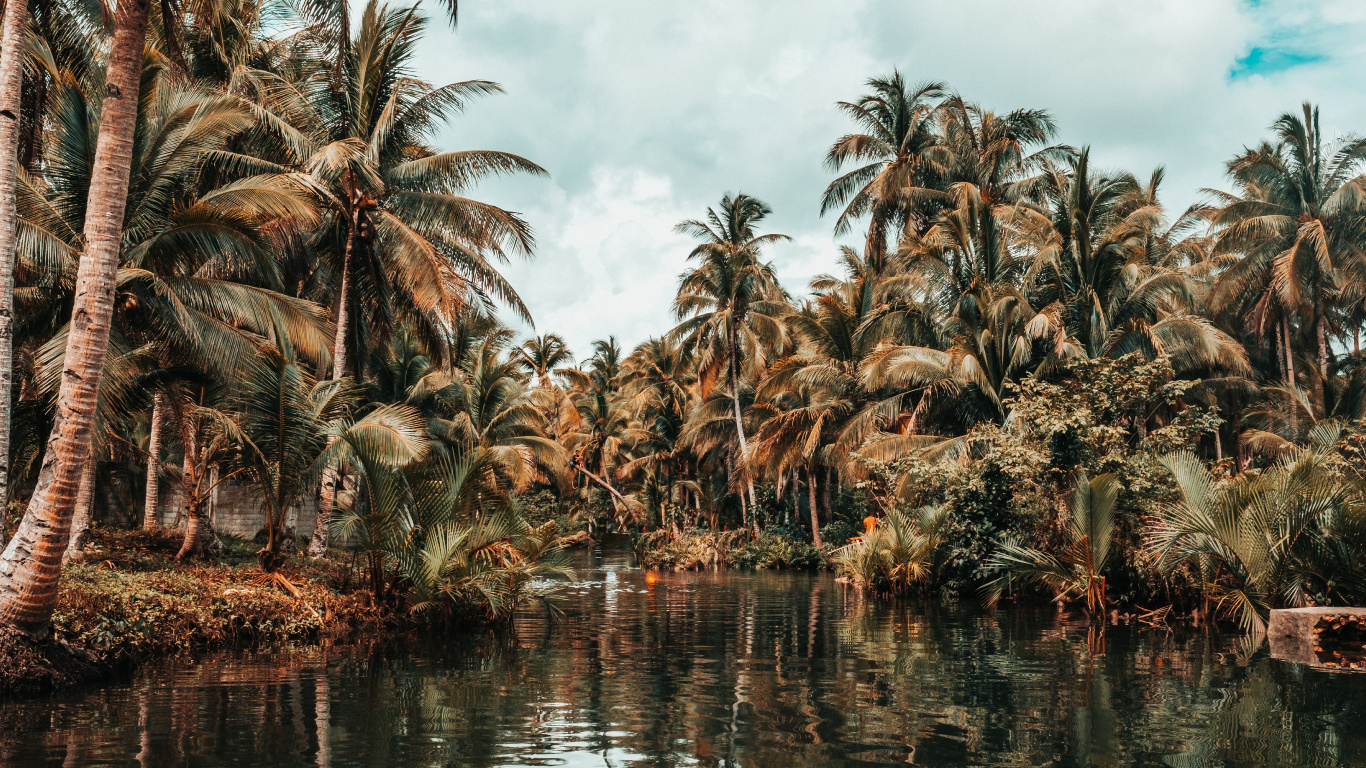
646,113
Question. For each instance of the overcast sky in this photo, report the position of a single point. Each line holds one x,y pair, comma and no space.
645,112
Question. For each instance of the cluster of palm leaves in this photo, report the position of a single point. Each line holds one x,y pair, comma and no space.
304,293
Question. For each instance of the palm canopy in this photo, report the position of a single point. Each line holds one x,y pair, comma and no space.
1298,221
399,229
731,302
897,122
199,276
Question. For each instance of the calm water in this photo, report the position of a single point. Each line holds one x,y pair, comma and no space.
778,669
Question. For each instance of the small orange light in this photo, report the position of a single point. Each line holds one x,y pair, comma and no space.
650,578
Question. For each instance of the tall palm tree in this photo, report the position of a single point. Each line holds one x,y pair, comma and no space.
1300,224
898,128
400,239
731,300
11,82
31,563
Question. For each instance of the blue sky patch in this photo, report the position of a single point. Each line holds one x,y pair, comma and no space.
1262,60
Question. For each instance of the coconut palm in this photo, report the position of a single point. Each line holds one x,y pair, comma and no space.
1298,223
31,562
399,238
196,262
1092,263
730,304
542,356
803,421
892,183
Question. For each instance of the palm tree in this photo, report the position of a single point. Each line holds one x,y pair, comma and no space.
898,124
1299,226
804,421
31,563
400,238
1079,569
1273,539
542,355
195,253
11,83
498,412
1093,264
399,234
289,426
732,302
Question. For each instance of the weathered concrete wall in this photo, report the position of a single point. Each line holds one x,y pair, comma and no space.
1291,632
237,509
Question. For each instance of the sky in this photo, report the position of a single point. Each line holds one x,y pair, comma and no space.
646,112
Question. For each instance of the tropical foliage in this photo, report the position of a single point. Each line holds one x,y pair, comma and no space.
1032,374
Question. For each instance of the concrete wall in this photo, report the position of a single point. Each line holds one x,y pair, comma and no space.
236,509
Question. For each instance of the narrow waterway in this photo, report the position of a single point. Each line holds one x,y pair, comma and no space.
773,670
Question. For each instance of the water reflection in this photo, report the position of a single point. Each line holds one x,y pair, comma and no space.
783,670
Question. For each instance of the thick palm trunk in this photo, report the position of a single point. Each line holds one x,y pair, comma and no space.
31,564
317,545
151,517
11,89
80,521
815,517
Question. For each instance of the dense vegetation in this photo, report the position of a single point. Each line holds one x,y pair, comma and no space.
1034,374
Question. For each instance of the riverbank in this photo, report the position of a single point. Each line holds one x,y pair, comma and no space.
129,601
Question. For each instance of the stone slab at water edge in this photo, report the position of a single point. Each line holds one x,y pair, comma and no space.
1331,638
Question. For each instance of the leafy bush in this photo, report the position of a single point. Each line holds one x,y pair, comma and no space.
696,550
777,550
902,553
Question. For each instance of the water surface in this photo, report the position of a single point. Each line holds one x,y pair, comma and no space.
773,669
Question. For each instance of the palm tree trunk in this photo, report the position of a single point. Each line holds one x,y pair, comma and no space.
190,488
151,498
31,564
317,545
11,90
739,422
1320,336
1292,416
825,497
815,518
80,521
1286,347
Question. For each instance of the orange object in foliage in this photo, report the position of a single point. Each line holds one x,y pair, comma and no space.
869,523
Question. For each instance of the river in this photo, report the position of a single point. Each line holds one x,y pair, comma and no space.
771,670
